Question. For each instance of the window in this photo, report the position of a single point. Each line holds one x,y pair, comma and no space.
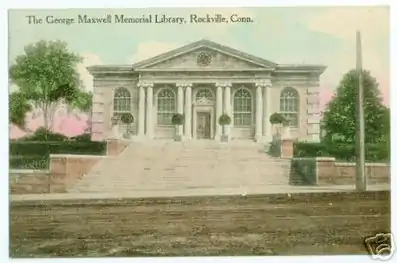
122,104
165,106
289,106
204,95
242,108
122,101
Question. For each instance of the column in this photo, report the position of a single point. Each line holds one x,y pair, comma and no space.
267,108
218,110
180,106
227,109
141,120
268,129
188,111
258,113
149,111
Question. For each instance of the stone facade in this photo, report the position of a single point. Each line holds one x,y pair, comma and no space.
203,80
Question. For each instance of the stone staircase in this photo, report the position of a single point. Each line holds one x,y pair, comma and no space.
151,166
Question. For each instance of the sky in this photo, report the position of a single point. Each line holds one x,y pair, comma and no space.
309,35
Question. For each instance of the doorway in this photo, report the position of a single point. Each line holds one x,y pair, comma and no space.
203,125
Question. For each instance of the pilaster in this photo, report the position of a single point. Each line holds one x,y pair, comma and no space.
258,112
218,110
141,110
227,108
267,111
188,111
180,106
149,111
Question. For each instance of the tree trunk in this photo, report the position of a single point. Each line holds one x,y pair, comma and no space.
45,117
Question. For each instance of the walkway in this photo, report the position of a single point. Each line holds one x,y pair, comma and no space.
287,189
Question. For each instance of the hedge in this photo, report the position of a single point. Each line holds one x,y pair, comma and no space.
29,162
35,155
342,152
28,148
42,134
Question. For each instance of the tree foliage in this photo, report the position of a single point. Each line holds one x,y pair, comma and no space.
18,109
277,118
177,119
46,75
340,115
224,119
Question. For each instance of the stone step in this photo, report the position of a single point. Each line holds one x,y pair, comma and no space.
170,165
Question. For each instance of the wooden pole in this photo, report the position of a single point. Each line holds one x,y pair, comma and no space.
360,125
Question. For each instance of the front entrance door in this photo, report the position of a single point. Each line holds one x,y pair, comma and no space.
203,125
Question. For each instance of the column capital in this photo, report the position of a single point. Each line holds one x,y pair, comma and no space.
184,85
263,83
223,84
145,84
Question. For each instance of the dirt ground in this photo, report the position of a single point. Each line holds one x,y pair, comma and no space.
300,224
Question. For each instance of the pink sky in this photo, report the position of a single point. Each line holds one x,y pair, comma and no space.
67,125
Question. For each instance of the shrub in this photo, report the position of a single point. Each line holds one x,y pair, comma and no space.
127,118
41,134
224,119
177,119
86,137
342,152
278,118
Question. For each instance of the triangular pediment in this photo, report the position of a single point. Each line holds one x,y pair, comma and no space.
202,55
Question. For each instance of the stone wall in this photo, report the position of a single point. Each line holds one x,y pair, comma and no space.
29,181
330,172
116,146
64,171
287,148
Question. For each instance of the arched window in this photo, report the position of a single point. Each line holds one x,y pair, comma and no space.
289,105
165,107
204,95
122,104
242,108
121,101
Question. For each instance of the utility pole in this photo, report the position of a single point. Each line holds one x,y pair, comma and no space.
361,183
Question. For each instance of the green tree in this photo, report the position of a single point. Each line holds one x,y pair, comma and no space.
19,107
47,76
340,115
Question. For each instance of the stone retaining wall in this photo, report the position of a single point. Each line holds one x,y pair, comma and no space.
64,171
116,146
331,172
29,181
327,171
